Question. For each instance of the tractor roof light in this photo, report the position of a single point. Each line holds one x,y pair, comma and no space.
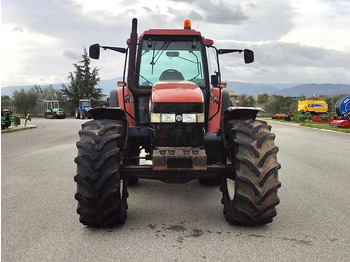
121,83
222,85
187,24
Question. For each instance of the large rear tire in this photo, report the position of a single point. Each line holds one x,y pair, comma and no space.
101,194
250,192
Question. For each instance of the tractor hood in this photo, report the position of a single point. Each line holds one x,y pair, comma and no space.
176,92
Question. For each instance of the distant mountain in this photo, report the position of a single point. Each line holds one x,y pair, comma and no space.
8,90
288,90
108,85
311,89
253,89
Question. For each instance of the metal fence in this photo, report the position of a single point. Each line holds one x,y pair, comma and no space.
39,109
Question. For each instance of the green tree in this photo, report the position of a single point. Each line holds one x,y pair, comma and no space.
262,98
279,104
245,100
5,98
82,83
25,101
48,93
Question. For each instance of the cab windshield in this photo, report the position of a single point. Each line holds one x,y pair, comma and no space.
171,60
85,103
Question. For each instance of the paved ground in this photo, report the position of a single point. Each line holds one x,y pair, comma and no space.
173,222
17,128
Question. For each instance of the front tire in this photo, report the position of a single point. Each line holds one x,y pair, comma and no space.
101,194
77,114
250,191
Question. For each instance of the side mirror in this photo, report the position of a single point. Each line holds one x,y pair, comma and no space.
214,80
94,51
248,56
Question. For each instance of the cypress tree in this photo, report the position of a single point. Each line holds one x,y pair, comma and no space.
83,83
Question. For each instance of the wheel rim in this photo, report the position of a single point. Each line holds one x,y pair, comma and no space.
121,186
230,184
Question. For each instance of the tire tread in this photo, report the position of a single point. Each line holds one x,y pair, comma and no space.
254,157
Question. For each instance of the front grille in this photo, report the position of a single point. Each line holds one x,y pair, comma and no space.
178,107
178,134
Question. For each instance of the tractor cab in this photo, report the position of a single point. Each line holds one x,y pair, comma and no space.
172,64
84,103
167,59
53,110
82,111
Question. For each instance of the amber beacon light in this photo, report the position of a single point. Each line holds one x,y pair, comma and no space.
187,24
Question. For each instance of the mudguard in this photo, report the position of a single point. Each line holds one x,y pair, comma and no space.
243,113
114,113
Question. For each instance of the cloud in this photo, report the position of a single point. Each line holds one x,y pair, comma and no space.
285,62
74,55
17,29
147,9
276,53
290,41
326,26
218,12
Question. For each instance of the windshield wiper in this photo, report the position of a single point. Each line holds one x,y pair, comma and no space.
162,48
147,81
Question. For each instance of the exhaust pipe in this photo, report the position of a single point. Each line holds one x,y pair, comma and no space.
132,63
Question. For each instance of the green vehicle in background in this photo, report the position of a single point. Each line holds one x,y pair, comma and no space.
6,118
53,110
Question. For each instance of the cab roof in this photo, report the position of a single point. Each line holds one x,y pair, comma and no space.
179,32
174,32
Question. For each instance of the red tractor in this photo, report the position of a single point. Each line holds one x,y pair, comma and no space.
173,109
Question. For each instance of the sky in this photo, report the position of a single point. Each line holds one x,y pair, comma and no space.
295,41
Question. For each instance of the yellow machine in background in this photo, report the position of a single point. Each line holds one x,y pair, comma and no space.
312,106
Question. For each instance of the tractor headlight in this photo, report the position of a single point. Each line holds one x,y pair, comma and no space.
172,118
200,118
168,118
189,118
155,118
